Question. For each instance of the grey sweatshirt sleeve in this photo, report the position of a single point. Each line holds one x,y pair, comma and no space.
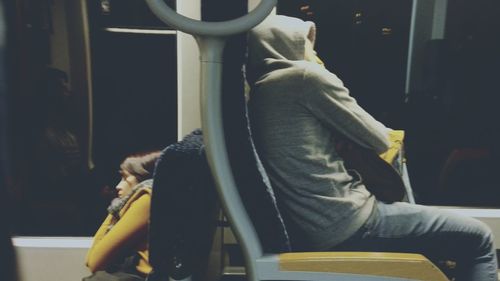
329,100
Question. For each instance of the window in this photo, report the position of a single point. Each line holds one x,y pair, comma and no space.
427,67
83,98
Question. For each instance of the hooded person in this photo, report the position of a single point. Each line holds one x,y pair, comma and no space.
287,81
299,113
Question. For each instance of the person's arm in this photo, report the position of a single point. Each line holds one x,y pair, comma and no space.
329,100
131,227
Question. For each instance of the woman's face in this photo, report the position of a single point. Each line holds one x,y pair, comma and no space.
125,186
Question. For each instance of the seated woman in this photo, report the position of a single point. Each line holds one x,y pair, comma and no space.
120,244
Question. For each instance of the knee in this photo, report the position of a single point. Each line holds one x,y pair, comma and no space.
489,239
484,237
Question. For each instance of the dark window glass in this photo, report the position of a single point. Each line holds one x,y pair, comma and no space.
129,13
448,106
132,109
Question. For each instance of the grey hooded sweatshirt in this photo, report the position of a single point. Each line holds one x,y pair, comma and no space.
297,110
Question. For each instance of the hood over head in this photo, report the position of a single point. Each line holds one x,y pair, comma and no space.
277,38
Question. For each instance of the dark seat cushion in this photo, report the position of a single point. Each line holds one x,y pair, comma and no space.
251,179
183,210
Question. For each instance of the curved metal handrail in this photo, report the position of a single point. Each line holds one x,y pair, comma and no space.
210,37
224,28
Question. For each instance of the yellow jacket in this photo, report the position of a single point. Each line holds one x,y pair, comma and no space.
129,232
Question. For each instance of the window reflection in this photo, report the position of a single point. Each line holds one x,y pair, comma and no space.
80,93
433,76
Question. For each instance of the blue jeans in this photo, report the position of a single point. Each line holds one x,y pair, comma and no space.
437,234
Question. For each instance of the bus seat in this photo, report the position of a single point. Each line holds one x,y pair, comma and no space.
183,212
462,169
